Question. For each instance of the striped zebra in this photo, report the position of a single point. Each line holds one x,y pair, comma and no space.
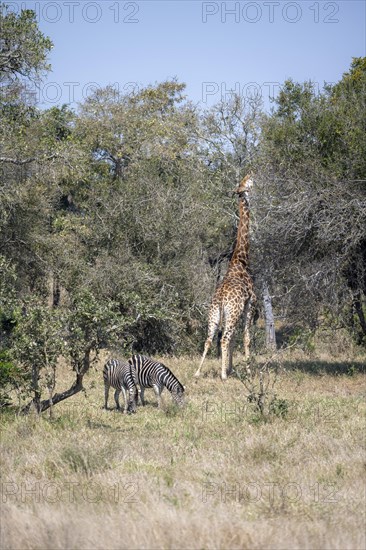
152,374
118,374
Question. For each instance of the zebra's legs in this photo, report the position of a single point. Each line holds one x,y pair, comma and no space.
125,398
142,391
116,398
158,390
213,323
106,393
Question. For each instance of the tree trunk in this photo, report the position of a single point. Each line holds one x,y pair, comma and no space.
58,397
47,403
357,304
270,324
35,386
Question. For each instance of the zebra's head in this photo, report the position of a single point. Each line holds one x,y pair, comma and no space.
133,398
178,395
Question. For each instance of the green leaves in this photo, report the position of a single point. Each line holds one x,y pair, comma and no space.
24,48
120,130
38,336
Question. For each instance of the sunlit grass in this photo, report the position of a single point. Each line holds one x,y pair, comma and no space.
213,475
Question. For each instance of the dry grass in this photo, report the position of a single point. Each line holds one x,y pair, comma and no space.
214,475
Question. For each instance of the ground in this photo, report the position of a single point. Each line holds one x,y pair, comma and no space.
214,475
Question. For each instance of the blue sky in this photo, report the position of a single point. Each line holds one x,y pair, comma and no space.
214,47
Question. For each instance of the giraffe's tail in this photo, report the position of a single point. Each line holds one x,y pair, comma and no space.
220,330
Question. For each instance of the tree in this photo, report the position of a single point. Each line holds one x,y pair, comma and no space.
37,343
120,129
311,200
145,237
23,47
87,326
34,154
12,376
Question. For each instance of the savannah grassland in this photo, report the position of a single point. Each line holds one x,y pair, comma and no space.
214,475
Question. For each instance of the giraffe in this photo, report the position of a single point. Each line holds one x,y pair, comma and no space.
235,294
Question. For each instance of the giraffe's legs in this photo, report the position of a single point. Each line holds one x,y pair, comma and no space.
213,323
230,320
230,362
207,347
227,353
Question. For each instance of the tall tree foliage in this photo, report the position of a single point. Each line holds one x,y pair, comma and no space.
146,194
311,199
23,47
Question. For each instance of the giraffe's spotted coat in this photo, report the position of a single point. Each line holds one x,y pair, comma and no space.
235,294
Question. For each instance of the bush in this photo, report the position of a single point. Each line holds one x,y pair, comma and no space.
11,377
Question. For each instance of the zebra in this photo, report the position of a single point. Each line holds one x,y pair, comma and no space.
118,374
152,374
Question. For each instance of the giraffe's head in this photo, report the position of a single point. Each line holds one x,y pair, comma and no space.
244,186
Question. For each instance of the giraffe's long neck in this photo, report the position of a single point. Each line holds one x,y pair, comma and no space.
241,250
